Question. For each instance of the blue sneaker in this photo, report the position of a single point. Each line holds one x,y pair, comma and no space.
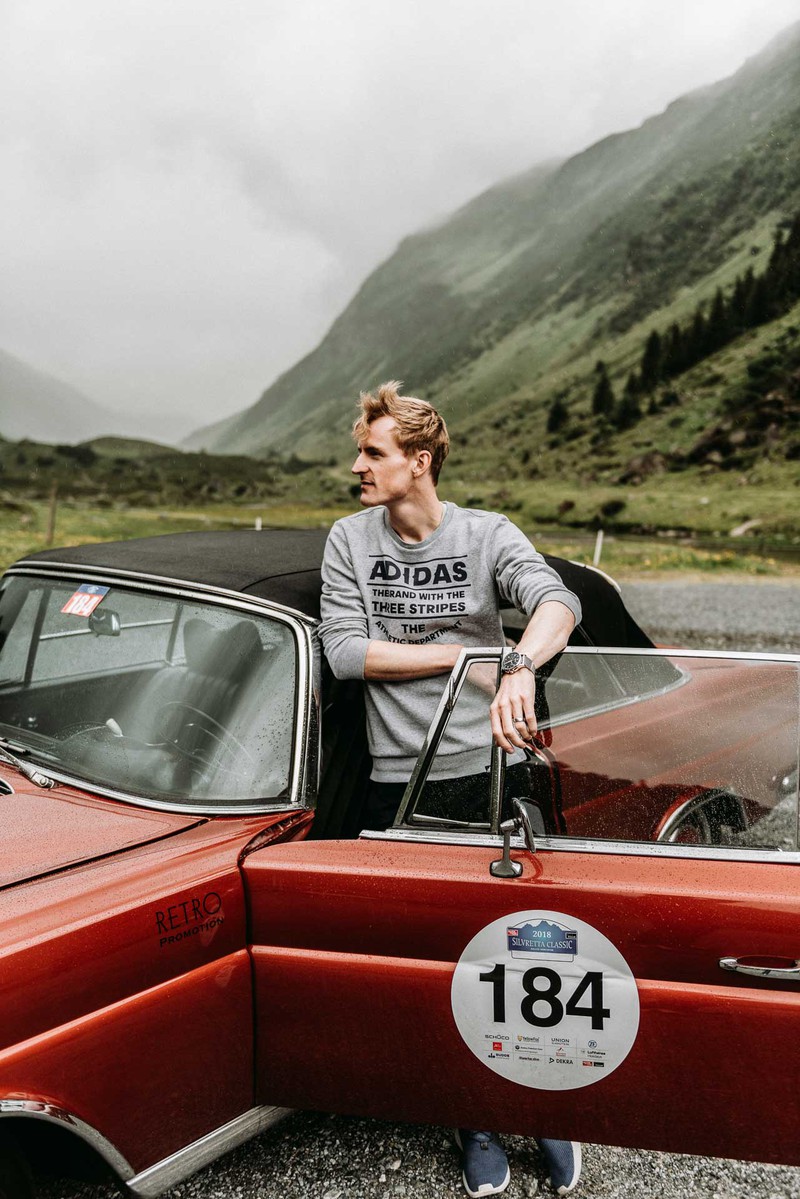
563,1159
485,1166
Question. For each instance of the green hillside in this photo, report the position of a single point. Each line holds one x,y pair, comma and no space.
127,448
114,472
512,301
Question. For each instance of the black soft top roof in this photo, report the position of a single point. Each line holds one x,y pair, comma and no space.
283,565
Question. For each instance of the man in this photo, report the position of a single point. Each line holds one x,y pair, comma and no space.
406,583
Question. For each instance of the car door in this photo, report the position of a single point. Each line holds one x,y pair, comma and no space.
626,987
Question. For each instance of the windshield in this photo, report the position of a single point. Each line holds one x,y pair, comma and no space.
633,746
155,695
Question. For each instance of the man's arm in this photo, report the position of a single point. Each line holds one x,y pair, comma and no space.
530,585
344,629
393,663
547,634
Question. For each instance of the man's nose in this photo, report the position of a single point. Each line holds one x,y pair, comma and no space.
358,467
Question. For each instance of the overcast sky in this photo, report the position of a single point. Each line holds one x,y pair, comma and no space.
193,189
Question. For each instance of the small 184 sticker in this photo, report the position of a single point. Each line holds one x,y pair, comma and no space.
84,601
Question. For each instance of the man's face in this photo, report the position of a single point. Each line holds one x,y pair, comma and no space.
384,470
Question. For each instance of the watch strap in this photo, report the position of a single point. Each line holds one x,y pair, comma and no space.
515,660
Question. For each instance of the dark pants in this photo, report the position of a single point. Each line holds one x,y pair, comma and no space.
465,798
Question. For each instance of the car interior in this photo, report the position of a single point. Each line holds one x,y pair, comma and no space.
165,700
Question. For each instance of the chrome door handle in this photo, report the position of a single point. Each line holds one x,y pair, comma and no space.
783,969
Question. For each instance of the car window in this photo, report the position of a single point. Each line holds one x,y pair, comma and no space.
457,789
67,645
149,693
697,749
575,684
18,612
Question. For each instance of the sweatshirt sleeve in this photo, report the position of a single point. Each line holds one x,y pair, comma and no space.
344,628
523,577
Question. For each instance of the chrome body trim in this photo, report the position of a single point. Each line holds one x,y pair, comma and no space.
130,577
674,652
496,784
39,1110
206,809
597,570
789,974
645,849
173,1169
302,791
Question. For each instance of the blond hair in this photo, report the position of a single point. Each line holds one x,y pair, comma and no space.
419,426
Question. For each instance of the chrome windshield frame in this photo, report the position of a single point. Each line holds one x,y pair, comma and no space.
305,755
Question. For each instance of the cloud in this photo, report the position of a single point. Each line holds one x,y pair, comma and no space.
193,191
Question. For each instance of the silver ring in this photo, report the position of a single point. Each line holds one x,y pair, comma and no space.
520,720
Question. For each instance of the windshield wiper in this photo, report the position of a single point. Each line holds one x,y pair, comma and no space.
34,776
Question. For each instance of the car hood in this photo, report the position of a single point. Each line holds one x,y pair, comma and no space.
44,831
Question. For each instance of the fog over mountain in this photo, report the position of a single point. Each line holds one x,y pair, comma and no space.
524,288
194,191
35,405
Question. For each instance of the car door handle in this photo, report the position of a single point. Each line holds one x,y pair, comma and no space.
785,969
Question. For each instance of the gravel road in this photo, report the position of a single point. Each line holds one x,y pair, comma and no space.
316,1156
745,616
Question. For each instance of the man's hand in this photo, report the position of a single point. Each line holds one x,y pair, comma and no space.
512,715
513,720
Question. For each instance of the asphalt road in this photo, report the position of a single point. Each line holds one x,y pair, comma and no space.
315,1156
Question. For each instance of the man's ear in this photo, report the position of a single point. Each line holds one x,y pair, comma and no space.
422,463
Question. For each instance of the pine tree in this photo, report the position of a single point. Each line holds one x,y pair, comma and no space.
777,258
759,307
740,301
718,329
650,369
674,356
755,299
603,399
697,340
791,264
627,412
557,416
633,384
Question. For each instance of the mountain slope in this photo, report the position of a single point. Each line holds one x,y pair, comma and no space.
36,405
545,269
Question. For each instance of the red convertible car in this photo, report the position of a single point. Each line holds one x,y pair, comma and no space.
197,933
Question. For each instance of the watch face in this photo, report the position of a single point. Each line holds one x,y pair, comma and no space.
511,661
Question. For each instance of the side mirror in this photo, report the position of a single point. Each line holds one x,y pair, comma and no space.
105,622
528,818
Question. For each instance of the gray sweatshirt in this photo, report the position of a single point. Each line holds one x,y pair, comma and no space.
449,587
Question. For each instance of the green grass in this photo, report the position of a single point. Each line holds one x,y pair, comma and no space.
640,558
78,524
710,507
128,447
24,533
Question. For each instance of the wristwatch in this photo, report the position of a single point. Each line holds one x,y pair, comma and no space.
514,661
